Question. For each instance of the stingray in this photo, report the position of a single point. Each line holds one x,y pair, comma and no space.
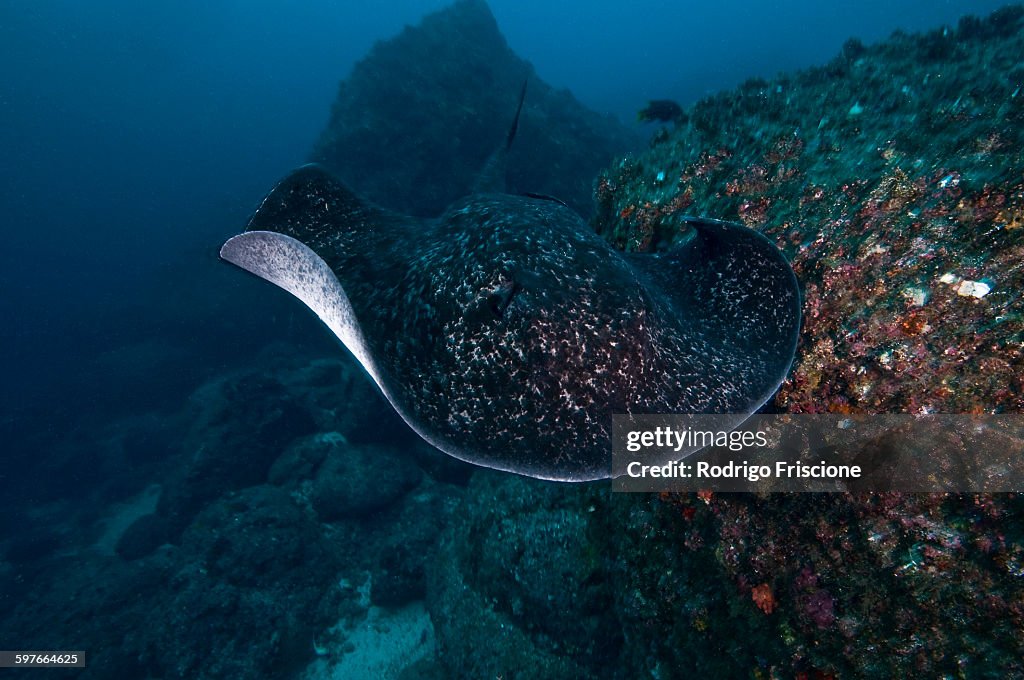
506,332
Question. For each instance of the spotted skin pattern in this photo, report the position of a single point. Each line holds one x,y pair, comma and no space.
507,333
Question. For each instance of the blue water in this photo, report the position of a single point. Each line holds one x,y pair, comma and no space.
135,137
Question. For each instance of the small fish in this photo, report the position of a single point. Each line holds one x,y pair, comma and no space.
664,110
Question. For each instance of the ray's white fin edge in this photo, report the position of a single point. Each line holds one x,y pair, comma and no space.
291,265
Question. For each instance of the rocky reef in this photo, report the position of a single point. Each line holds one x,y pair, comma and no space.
415,122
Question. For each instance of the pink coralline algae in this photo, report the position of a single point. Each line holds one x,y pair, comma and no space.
814,602
818,607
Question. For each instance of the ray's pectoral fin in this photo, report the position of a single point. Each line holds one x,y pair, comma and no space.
311,205
292,265
731,284
294,238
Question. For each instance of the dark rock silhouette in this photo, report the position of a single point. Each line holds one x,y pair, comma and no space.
415,122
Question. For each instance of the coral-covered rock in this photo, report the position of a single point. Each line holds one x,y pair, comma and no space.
892,180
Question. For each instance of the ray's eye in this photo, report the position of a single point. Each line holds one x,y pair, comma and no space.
500,297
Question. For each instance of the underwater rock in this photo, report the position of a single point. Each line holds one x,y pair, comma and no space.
414,122
338,397
517,589
142,537
360,480
398,562
256,538
400,577
303,458
252,585
241,425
